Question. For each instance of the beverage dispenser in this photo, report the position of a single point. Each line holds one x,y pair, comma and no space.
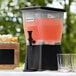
43,31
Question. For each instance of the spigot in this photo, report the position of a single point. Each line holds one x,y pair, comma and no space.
30,38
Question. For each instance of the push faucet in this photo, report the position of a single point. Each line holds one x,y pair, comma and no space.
30,38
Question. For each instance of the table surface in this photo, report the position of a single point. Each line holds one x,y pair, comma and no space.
42,73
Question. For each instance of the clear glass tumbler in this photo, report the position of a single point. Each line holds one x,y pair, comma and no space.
73,62
64,62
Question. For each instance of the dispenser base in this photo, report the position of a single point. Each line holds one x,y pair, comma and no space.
42,57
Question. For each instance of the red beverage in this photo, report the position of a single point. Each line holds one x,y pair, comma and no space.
51,30
47,30
32,26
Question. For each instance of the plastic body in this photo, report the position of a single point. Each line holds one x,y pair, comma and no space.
43,30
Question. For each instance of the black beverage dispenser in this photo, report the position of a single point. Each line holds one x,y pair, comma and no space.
43,31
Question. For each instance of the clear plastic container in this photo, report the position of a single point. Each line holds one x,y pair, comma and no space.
43,31
44,23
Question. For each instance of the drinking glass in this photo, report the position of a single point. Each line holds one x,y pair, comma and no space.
73,62
64,62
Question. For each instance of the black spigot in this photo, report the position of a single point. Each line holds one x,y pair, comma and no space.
30,38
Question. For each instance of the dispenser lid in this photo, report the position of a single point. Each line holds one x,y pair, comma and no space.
44,8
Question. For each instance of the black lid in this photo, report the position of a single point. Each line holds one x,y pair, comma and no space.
45,8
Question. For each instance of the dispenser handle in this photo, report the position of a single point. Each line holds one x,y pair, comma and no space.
30,38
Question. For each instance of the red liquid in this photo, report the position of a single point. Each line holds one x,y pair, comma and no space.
47,30
31,26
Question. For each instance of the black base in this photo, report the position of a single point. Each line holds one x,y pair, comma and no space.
42,57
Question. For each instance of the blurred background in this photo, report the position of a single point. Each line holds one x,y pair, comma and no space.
11,21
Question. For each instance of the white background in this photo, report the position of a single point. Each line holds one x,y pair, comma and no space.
45,73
